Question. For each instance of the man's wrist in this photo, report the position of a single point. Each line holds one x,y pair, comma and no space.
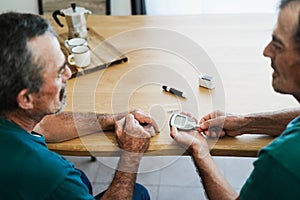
106,121
250,124
200,151
129,161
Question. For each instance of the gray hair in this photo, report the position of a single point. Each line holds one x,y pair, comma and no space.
18,65
282,5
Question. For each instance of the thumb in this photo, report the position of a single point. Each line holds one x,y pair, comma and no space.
173,132
119,126
180,138
204,125
129,118
130,123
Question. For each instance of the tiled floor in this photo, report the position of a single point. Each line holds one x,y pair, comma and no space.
166,177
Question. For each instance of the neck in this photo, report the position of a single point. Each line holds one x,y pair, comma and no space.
23,119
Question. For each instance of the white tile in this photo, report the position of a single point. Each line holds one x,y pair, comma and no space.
110,162
153,191
106,170
146,174
99,187
150,178
220,162
155,163
237,170
166,177
151,167
187,193
180,173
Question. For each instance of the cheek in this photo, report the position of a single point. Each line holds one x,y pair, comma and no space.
56,93
288,75
51,92
284,65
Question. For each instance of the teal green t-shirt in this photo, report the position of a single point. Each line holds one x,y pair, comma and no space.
276,173
30,171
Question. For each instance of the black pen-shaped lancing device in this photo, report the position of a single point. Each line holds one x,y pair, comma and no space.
173,91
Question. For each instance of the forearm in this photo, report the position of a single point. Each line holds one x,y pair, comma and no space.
69,125
271,123
214,182
124,179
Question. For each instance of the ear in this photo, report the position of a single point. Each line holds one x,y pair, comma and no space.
24,99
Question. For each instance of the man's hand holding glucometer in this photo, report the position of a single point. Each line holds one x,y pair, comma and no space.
191,138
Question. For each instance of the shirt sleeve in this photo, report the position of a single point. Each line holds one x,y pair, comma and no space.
71,187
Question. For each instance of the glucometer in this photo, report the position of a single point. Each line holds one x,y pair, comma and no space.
183,122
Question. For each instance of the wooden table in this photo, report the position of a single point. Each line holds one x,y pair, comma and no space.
175,51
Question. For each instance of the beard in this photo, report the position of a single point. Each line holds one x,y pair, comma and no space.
62,106
62,98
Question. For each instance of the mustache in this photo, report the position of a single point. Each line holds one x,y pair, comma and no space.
273,65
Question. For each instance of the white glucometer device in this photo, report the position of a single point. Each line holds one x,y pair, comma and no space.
183,122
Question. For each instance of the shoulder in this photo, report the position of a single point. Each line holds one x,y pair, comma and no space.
288,140
276,170
285,149
34,172
294,124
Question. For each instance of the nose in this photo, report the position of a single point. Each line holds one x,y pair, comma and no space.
268,52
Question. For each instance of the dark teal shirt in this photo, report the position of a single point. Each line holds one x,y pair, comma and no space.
276,173
30,171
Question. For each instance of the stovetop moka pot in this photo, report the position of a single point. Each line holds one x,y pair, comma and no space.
76,20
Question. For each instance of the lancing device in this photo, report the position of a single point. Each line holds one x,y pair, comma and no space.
173,91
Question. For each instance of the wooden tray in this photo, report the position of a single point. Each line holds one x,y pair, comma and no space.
103,54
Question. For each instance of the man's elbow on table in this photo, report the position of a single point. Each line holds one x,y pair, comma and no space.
55,129
49,137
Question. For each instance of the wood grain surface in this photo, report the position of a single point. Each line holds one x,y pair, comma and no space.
103,54
234,43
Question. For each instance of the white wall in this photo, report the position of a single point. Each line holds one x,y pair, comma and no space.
181,7
19,6
186,7
120,7
166,7
239,6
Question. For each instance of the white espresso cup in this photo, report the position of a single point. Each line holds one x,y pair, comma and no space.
75,42
80,56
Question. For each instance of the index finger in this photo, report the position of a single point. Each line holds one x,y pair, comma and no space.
154,124
213,115
133,128
205,118
120,126
146,118
151,121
